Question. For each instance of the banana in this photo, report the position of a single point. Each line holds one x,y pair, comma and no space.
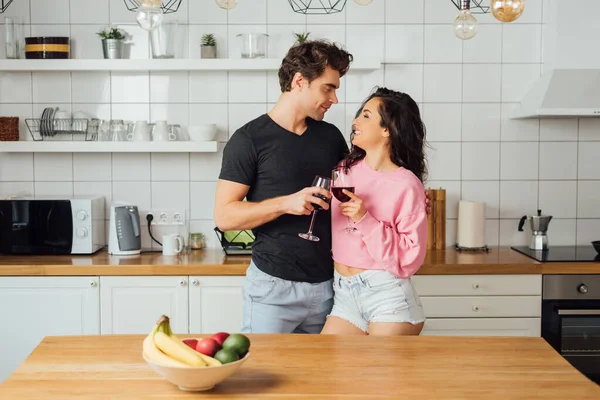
211,362
178,350
153,353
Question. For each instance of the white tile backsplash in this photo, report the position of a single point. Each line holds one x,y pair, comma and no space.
519,160
466,91
53,167
130,167
558,160
248,86
404,12
441,45
442,83
483,122
404,43
480,161
15,87
558,198
443,121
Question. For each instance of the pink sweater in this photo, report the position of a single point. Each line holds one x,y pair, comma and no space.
392,235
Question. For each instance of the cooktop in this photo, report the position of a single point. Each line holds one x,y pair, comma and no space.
561,253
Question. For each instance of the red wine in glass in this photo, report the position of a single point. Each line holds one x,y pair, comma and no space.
340,195
320,196
341,179
324,183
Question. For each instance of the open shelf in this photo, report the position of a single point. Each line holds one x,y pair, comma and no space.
107,147
223,64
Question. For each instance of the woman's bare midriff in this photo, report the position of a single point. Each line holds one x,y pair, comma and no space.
345,270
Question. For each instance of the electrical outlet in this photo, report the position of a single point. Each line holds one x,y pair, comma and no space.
167,217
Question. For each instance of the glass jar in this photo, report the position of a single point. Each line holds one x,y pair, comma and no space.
253,45
196,241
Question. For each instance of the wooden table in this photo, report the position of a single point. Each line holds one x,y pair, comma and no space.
312,367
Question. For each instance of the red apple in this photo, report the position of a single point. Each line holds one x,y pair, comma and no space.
208,347
220,337
191,343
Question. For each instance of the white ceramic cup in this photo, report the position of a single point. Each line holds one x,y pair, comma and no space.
140,133
202,133
162,132
172,244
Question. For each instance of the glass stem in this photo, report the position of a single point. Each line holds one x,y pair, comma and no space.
312,222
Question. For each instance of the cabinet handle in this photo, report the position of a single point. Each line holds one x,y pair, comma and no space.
182,282
476,286
195,282
93,283
475,308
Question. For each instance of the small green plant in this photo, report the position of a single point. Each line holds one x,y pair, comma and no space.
112,32
302,37
208,39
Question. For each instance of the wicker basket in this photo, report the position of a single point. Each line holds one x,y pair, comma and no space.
9,129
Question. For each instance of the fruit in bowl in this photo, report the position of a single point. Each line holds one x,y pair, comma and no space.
179,361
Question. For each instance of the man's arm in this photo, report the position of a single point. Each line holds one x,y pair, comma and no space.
231,212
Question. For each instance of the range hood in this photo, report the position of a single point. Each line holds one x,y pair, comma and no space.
562,93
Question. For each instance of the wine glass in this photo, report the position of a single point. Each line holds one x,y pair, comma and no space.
324,183
340,181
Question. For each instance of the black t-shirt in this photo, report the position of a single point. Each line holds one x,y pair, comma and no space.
276,162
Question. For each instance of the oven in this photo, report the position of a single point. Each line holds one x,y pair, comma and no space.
571,320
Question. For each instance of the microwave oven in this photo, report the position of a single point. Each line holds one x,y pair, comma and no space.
52,225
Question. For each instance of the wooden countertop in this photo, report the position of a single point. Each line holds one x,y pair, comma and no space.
312,366
214,262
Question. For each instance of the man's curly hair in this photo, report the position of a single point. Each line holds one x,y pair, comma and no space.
310,59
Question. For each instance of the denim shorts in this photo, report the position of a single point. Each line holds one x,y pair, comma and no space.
375,296
275,305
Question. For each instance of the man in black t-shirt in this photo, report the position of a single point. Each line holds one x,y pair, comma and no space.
272,161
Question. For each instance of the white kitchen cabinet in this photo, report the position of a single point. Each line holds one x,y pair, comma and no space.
482,327
34,307
132,304
481,305
216,304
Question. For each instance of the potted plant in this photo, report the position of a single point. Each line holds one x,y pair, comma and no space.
208,48
113,40
301,37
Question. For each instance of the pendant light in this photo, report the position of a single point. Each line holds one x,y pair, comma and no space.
4,5
363,2
507,10
465,24
319,6
226,4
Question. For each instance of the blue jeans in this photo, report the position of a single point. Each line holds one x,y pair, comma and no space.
375,296
274,305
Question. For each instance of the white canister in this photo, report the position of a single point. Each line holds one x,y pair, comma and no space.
471,225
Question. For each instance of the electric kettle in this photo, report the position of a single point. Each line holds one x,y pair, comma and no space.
125,236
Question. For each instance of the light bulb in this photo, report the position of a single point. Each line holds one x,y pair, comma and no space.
465,25
507,10
363,2
226,4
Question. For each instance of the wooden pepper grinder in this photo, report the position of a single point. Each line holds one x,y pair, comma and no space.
440,219
431,220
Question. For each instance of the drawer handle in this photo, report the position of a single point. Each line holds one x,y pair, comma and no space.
92,283
195,282
182,282
476,286
475,308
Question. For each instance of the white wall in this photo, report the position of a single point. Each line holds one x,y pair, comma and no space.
466,91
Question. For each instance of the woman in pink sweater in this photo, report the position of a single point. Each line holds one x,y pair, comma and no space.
386,241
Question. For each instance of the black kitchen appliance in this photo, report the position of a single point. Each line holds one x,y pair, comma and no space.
561,253
571,320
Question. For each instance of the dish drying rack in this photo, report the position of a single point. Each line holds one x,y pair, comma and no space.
45,128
